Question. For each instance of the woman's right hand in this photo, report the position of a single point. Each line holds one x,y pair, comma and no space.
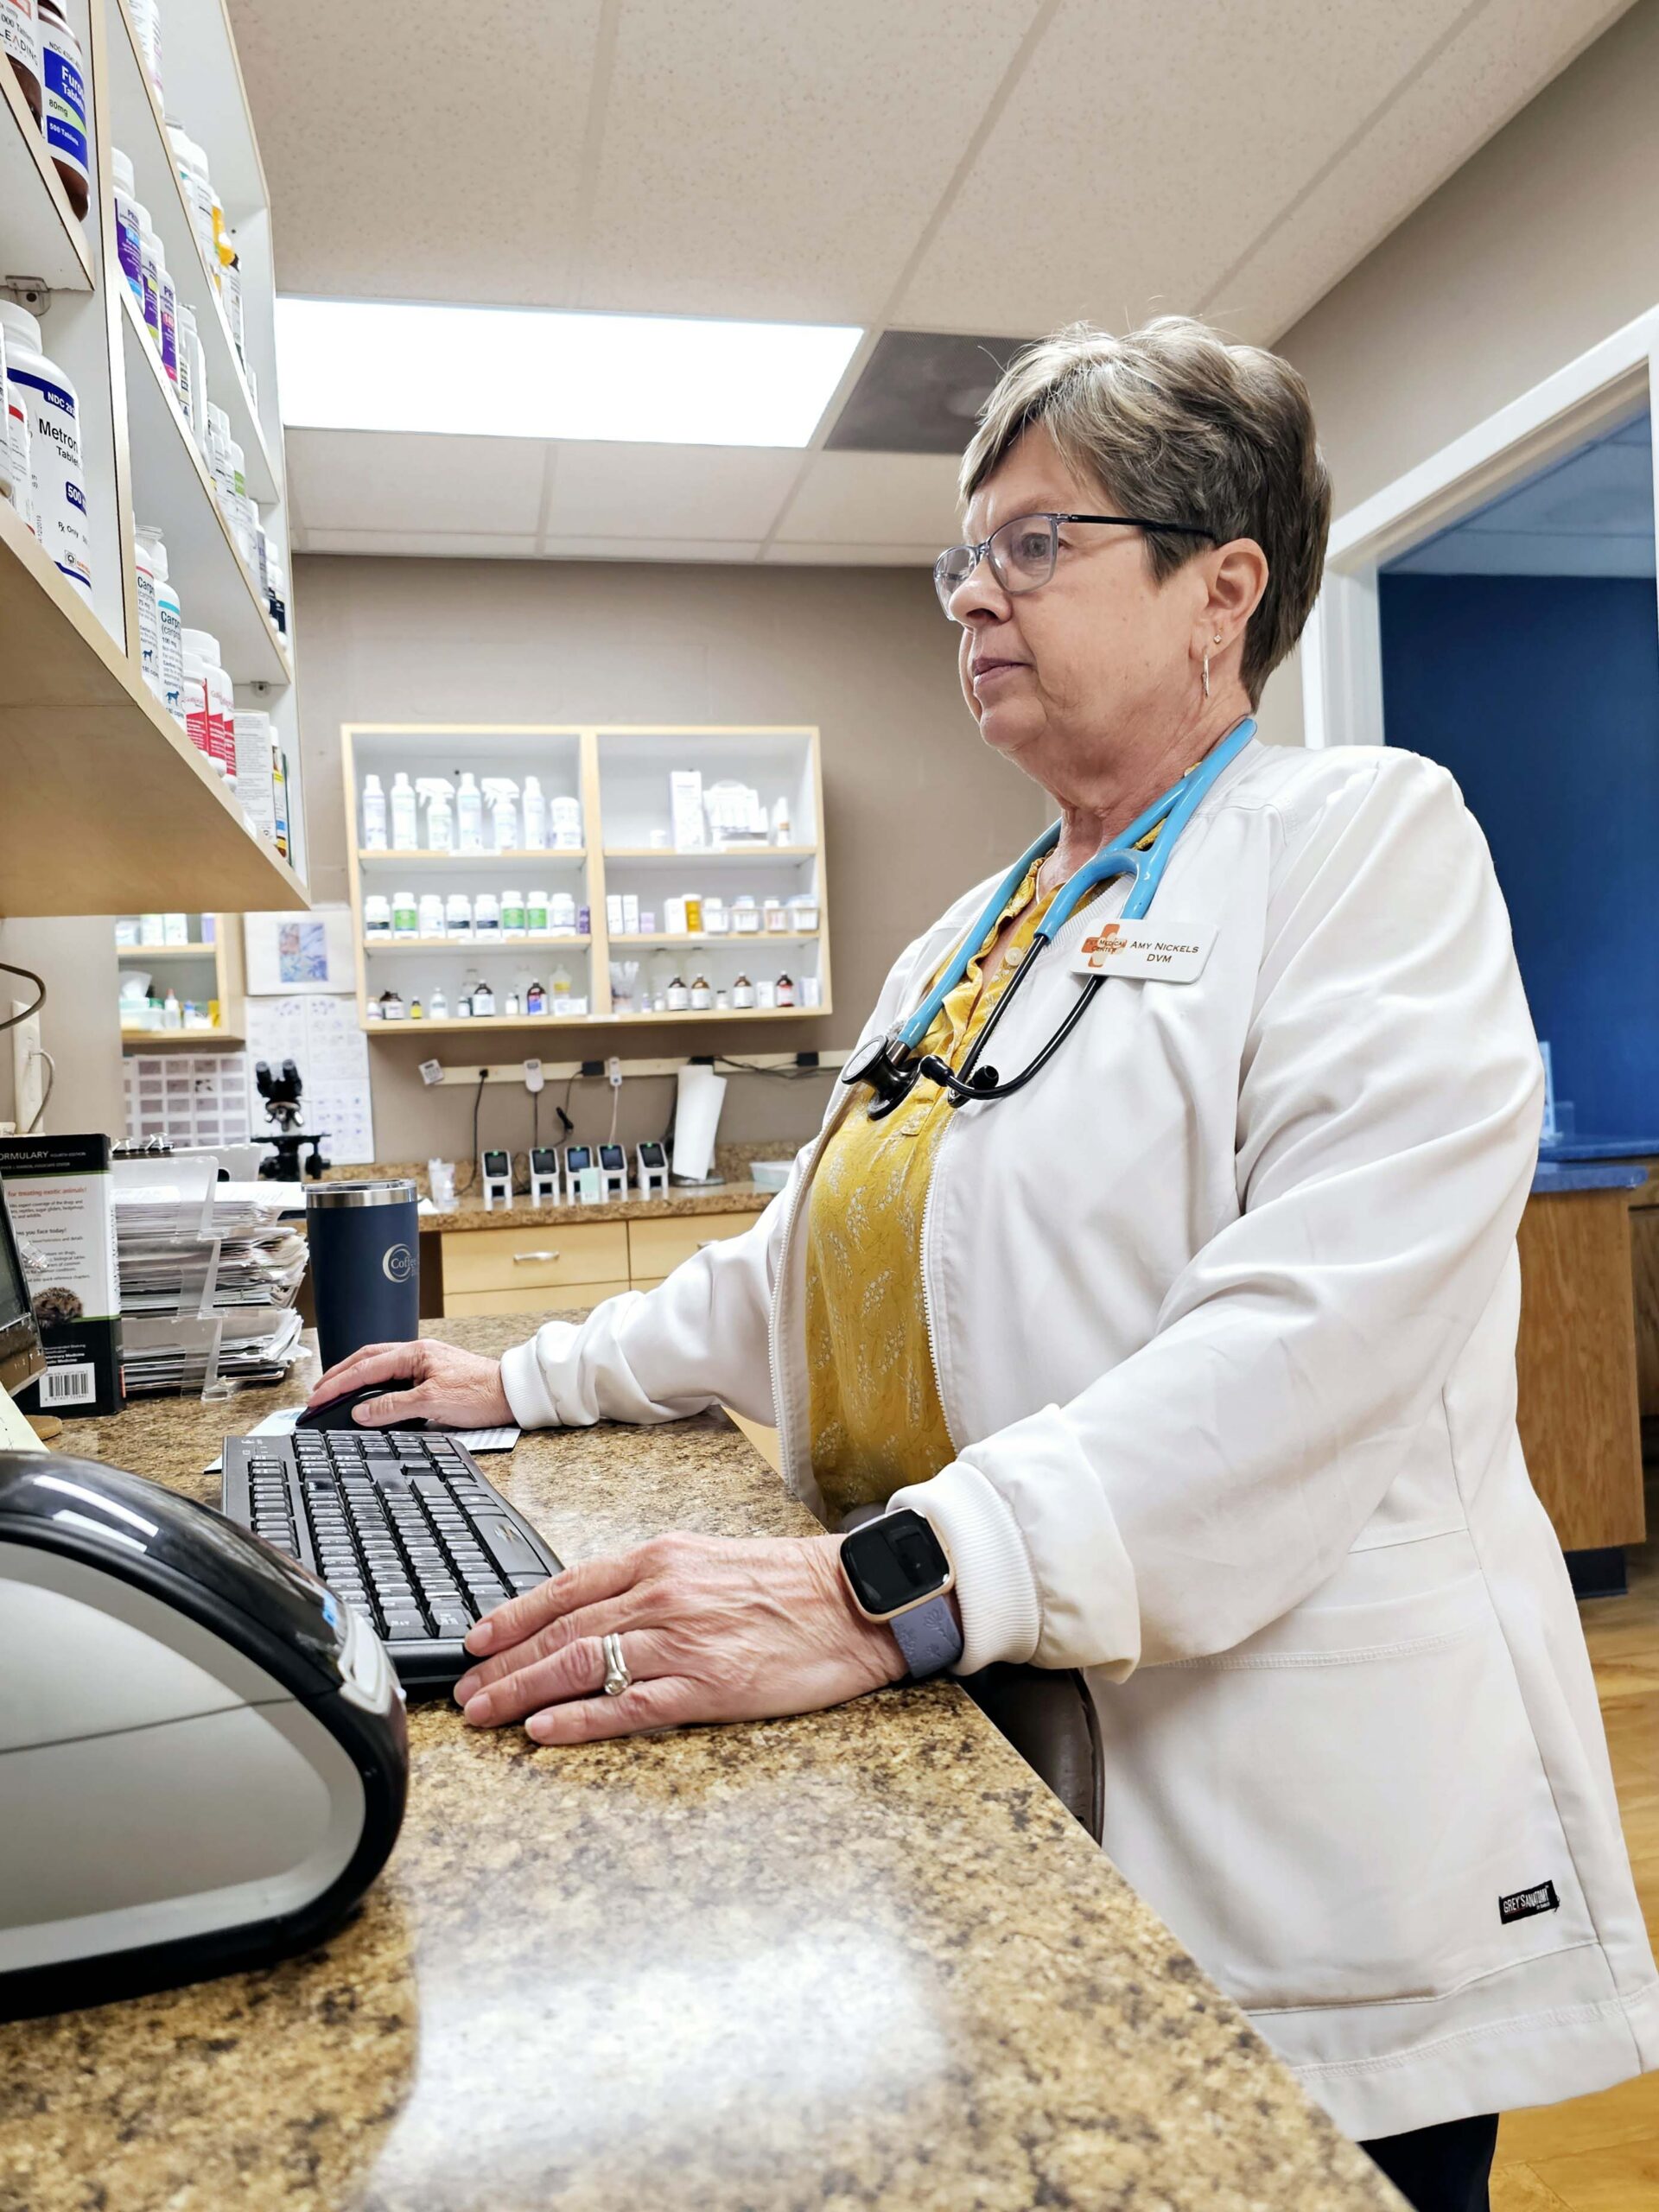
455,1389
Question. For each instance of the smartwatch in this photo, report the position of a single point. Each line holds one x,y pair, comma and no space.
898,1572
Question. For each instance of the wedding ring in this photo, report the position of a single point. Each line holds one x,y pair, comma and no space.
616,1677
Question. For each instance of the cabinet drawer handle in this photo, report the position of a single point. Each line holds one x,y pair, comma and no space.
519,1258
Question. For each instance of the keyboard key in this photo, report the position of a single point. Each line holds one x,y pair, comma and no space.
450,1620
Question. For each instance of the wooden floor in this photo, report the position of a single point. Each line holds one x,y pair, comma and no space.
1601,2154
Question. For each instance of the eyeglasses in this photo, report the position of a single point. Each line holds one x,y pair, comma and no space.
1022,553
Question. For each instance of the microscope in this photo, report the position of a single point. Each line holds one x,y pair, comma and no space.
282,1096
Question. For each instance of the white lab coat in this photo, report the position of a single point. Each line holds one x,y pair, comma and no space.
1223,1307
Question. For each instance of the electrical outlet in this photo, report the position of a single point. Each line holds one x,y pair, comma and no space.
534,1078
27,1068
613,1072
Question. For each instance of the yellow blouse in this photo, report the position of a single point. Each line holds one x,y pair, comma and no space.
876,1420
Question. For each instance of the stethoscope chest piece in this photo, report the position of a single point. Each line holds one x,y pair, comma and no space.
885,1065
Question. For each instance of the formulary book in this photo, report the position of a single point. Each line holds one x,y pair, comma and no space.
60,1196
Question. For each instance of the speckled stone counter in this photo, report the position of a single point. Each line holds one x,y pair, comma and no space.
856,1959
468,1212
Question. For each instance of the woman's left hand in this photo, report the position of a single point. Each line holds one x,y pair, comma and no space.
711,1627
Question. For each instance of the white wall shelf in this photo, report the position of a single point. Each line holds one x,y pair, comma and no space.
620,776
104,804
40,235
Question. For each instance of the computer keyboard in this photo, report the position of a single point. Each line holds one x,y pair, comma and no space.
399,1524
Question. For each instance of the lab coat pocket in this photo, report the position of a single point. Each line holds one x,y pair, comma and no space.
1354,1806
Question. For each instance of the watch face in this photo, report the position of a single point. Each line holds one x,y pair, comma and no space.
613,1159
892,1562
577,1156
543,1160
495,1165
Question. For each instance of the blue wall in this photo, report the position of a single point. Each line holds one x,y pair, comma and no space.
1542,696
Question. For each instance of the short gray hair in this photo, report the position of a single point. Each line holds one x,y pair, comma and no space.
1171,420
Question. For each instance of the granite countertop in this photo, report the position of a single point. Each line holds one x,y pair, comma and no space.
1556,1175
739,1194
857,1958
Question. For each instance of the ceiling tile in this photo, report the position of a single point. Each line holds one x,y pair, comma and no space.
376,480
1145,147
783,161
1500,59
649,549
429,151
874,499
640,491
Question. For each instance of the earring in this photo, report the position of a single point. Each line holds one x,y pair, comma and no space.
1206,674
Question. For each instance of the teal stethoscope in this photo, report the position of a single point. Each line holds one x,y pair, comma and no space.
889,1066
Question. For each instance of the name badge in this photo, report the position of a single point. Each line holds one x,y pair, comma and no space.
1170,956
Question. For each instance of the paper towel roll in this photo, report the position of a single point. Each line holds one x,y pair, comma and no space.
695,1118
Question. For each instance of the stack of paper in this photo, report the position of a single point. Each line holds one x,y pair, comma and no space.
209,1274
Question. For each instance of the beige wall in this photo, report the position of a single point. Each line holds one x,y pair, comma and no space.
916,807
1541,244
79,1025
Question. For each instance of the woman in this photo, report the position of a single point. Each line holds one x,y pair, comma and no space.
1195,1353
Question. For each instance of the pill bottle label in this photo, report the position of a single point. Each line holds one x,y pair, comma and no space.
129,245
150,629
17,41
171,633
54,456
197,717
65,97
167,311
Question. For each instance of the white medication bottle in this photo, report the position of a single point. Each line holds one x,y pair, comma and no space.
279,798
374,815
562,913
146,21
14,434
198,707
131,220
19,42
193,372
512,914
458,918
535,817
403,837
438,1007
152,929
167,310
811,991
431,914
538,908
175,929
486,917
230,288
201,647
565,815
377,915
172,1011
53,413
469,815
256,753
169,622
782,828
405,914
438,794
63,102
149,631
501,797
192,165
559,989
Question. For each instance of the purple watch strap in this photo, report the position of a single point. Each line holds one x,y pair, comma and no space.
929,1637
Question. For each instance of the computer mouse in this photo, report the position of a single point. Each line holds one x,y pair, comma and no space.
203,1758
336,1413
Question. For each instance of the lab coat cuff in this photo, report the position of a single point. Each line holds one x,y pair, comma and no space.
996,1591
525,1382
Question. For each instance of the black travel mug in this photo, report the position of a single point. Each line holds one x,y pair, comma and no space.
366,1264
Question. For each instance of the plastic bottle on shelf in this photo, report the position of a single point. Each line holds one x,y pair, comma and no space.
131,220
53,413
193,371
431,914
565,815
438,793
279,798
786,989
404,837
169,622
469,815
438,1005
535,999
483,1001
405,914
191,162
63,102
782,828
256,753
277,591
501,797
172,1011
244,516
14,437
377,915
230,287
217,454
150,263
512,914
20,41
150,628
538,908
458,918
373,816
147,22
202,651
167,314
487,917
559,991
198,703
535,817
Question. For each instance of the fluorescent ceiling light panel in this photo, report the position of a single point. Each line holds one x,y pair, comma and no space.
512,372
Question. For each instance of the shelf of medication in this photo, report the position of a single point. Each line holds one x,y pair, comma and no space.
411,858
542,1022
164,1040
146,955
108,805
697,855
472,947
172,489
718,938
39,232
138,128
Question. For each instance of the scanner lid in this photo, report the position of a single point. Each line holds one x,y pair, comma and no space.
262,1602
